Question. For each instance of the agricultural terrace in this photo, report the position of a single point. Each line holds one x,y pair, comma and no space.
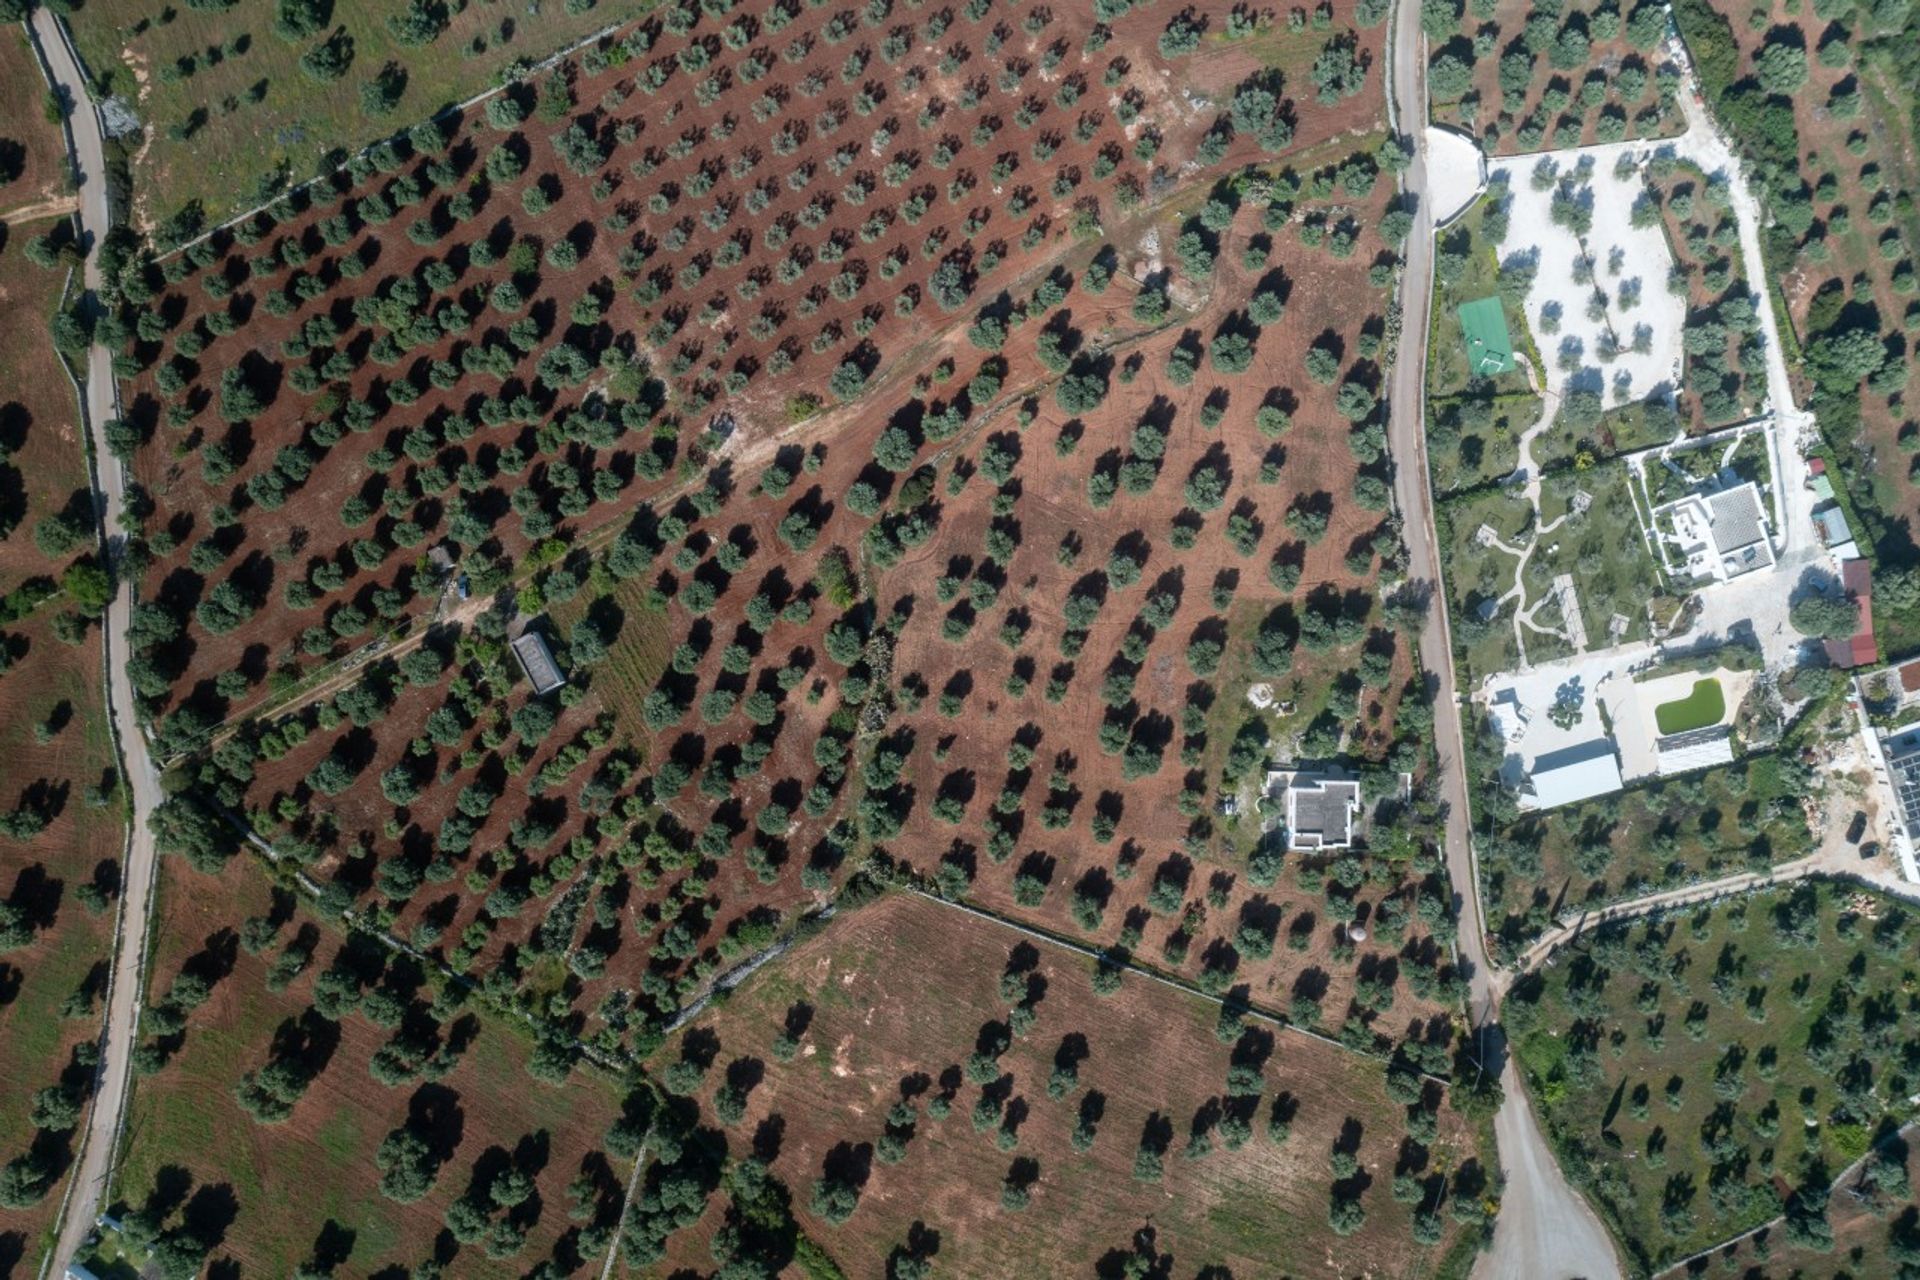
235,100
1474,423
1542,867
1726,364
793,674
1704,1072
1533,77
308,1098
61,819
444,347
1004,1128
1833,85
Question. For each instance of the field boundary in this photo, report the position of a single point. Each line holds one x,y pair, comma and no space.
1103,956
516,77
352,922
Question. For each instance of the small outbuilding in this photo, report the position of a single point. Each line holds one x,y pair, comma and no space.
537,661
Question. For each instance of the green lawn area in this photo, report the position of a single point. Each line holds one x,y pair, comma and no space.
1602,550
1474,439
1466,269
1704,706
1692,1069
244,108
1669,832
638,654
1476,574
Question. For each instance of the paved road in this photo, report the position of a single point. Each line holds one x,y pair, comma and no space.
1545,1230
101,1135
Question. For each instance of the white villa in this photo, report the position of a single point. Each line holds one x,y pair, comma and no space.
1320,809
1721,535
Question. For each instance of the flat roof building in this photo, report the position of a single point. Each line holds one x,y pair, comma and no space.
1903,763
1571,774
1695,749
1320,810
1737,519
537,661
1721,535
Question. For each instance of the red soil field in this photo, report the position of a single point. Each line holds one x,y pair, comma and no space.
31,150
895,995
655,274
273,1189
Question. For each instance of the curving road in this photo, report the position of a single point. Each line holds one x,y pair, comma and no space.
100,1138
1545,1230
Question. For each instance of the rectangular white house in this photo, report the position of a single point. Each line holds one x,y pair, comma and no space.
1571,774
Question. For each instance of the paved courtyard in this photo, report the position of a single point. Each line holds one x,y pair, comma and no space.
1599,306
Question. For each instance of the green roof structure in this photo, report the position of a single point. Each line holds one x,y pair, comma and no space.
1489,346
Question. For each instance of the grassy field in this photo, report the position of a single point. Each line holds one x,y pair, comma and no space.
228,106
1876,1228
1702,1072
1474,439
1467,267
1600,548
265,1194
891,1001
634,660
1626,845
1703,707
1477,574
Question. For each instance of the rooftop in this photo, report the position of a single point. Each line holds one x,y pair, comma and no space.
1579,772
1903,761
1320,811
1856,576
1695,749
537,661
1737,521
